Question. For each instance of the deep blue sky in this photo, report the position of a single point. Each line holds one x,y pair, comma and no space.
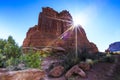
99,18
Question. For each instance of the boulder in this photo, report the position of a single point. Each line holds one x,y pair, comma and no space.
75,70
30,74
84,65
56,71
3,70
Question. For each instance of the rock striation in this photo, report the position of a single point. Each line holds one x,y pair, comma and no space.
54,29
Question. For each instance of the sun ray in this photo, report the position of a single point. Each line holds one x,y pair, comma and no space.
76,47
74,27
59,37
80,30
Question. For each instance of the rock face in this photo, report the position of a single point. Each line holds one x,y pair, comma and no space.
114,47
54,29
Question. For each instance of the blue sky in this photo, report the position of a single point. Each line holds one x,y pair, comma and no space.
99,18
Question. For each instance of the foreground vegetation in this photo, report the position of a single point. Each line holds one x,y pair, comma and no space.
12,57
69,59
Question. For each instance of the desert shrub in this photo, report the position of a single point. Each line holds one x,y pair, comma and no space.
31,59
103,57
2,58
12,62
89,61
45,53
11,55
73,77
9,52
99,55
109,59
2,44
11,49
69,59
85,55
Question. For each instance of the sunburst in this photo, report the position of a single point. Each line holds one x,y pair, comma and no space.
74,26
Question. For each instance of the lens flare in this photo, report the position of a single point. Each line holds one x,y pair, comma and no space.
76,21
76,43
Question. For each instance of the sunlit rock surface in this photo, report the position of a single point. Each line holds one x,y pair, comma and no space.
53,29
57,71
30,74
75,70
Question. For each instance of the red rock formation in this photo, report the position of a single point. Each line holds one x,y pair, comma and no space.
51,31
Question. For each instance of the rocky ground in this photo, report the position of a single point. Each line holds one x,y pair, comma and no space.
116,73
99,71
29,74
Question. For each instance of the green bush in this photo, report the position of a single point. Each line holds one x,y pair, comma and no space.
45,53
69,59
10,62
11,49
90,61
2,58
9,52
109,59
11,55
31,59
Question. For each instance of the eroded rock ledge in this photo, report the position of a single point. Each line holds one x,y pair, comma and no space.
29,74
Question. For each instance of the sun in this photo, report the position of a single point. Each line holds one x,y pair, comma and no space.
78,20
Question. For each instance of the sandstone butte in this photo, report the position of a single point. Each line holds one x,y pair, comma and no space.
53,29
